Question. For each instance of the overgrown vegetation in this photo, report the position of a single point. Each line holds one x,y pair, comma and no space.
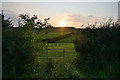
20,46
23,50
99,51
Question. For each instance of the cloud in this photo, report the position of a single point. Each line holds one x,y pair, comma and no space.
75,18
14,15
80,19
66,11
90,16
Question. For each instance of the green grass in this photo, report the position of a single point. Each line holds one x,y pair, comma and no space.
60,56
58,51
50,33
67,40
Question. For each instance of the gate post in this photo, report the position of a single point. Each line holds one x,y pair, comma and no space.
63,55
47,54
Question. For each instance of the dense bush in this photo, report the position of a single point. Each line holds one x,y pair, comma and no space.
17,51
98,52
19,47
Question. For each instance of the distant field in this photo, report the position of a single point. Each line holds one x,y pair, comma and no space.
67,40
52,33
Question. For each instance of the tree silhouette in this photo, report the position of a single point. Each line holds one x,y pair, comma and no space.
6,22
27,21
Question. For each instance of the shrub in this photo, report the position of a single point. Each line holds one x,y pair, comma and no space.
98,52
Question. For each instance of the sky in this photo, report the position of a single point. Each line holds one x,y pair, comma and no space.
63,13
59,0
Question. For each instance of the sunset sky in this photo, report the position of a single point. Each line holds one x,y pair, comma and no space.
63,13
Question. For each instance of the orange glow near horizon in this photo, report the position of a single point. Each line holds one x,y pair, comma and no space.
63,23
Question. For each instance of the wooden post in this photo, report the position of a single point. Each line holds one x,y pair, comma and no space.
47,54
47,51
63,56
119,10
2,12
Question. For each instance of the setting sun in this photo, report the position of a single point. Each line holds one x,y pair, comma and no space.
63,23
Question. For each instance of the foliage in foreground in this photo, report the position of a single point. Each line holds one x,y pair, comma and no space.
20,45
98,52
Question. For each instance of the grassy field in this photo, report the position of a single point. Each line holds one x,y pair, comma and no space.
55,62
64,52
52,33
